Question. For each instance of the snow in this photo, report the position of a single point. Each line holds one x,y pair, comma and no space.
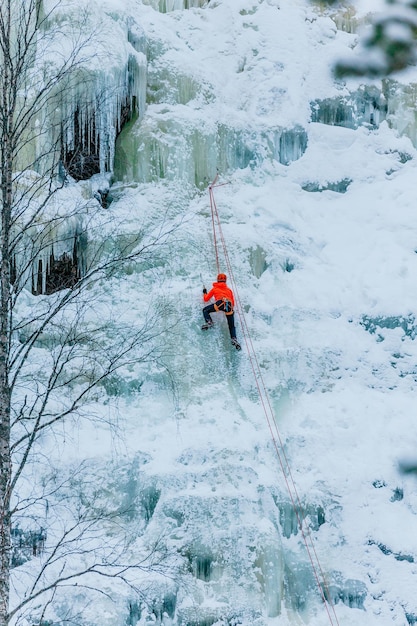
328,291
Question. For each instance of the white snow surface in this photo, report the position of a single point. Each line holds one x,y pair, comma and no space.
327,282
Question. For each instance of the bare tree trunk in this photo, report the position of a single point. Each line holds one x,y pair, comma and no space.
5,315
5,460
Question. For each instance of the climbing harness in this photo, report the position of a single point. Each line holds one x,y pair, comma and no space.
224,305
265,402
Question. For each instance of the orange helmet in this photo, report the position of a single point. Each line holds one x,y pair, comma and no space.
221,278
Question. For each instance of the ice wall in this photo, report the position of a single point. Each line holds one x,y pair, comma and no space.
229,541
369,106
364,106
167,146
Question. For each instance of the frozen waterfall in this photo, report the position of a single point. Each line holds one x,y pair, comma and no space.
316,218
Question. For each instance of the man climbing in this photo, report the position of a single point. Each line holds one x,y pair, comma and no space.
224,301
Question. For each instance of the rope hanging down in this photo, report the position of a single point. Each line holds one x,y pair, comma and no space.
218,240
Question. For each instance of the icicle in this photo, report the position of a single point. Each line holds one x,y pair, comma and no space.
363,106
55,236
165,6
86,111
401,114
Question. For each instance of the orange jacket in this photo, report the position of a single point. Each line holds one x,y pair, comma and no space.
218,292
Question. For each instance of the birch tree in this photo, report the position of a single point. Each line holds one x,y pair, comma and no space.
82,354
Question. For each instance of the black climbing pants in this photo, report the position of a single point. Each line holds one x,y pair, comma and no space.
211,308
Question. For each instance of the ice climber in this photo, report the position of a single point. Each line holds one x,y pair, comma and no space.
223,301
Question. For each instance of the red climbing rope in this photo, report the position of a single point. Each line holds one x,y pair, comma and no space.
269,414
215,221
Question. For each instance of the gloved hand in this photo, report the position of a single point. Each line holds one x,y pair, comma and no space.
204,290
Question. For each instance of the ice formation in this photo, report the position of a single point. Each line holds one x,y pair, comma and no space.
73,133
49,238
99,92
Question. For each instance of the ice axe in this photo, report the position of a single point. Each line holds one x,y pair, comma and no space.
204,287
